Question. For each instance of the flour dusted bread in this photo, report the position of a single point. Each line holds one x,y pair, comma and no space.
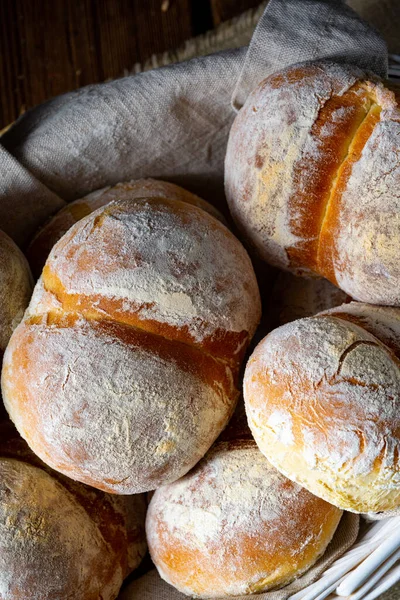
124,370
16,286
322,398
60,539
54,229
234,525
312,177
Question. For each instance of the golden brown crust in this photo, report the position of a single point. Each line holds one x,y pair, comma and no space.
59,224
322,402
51,400
312,177
235,526
327,253
124,370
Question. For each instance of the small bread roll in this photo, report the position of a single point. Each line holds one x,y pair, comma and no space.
16,286
124,370
234,525
322,397
60,539
54,229
312,177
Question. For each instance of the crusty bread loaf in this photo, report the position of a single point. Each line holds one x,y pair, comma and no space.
124,370
54,229
312,177
16,286
234,525
322,398
60,539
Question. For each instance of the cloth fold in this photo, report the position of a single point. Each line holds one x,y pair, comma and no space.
170,123
320,29
25,202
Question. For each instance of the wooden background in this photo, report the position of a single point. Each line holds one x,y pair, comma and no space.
48,47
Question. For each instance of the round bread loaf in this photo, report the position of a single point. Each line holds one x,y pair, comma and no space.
16,286
60,539
312,177
54,229
322,397
124,370
234,525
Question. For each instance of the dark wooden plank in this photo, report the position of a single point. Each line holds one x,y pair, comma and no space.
48,47
222,10
11,72
161,29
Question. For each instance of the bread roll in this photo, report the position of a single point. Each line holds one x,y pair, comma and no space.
16,286
322,397
124,370
54,229
234,525
60,539
312,177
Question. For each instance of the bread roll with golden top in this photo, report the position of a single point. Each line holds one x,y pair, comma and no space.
16,286
60,539
322,397
312,177
54,229
234,525
124,370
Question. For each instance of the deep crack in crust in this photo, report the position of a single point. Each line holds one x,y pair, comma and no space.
322,398
312,177
120,291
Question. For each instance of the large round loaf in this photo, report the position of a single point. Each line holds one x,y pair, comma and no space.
234,525
124,370
54,229
312,177
322,397
60,539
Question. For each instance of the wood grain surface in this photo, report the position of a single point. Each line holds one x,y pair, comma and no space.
48,47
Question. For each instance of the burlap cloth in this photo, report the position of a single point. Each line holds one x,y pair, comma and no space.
173,123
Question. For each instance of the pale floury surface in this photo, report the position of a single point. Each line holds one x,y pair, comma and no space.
234,525
312,177
59,538
322,401
124,371
54,229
